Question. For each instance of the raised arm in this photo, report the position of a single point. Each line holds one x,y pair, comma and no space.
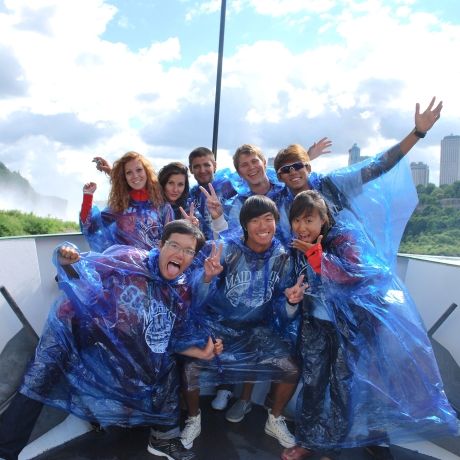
423,123
88,191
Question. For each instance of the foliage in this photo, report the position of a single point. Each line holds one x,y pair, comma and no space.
434,228
15,223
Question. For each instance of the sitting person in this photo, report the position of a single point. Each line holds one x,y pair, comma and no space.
369,373
107,353
247,308
136,211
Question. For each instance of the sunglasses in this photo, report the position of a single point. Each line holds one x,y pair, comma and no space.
286,169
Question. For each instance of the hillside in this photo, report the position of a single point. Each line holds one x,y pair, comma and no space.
434,228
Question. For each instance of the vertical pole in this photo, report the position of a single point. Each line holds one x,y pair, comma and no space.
215,132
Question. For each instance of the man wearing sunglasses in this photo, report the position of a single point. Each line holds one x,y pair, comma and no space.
292,165
256,179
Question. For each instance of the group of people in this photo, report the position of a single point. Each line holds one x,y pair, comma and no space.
254,276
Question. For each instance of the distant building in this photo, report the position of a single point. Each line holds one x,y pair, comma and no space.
450,160
420,173
271,162
354,155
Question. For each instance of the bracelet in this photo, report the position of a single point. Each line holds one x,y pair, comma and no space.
419,134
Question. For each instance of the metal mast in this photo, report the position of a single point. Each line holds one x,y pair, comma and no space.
215,132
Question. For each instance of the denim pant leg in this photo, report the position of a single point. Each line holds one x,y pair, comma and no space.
16,425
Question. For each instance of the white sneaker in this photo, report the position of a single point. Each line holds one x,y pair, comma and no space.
276,427
191,430
221,400
239,409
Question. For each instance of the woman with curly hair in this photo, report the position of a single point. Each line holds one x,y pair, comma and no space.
173,179
136,211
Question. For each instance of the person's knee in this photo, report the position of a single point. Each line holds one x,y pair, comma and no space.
291,369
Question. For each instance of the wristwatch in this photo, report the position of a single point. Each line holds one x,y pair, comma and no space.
419,134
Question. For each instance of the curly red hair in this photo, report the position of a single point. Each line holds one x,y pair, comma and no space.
119,193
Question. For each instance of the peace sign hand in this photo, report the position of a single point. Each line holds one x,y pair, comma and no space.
190,217
212,265
295,293
212,202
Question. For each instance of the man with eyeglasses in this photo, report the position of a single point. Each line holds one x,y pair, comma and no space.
107,353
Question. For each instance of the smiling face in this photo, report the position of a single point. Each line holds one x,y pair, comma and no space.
261,230
203,169
307,227
295,176
174,187
135,174
252,169
176,255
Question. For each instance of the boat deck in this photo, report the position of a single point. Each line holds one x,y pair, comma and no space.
218,439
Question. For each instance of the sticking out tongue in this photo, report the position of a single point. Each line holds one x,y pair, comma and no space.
173,269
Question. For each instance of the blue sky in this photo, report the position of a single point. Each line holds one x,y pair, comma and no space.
98,77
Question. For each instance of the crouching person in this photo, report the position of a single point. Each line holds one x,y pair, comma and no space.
107,353
246,306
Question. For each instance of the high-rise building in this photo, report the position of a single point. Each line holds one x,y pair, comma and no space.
450,160
420,173
354,155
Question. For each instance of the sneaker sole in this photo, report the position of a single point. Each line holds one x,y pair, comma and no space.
158,453
237,420
283,443
190,444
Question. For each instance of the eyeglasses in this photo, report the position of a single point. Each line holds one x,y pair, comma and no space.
178,248
286,169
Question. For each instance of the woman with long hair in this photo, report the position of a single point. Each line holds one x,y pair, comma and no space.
136,211
173,179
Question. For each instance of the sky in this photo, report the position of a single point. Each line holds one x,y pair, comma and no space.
80,78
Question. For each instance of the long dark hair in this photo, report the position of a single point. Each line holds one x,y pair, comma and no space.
176,167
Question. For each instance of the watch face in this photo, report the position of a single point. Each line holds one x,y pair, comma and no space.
419,134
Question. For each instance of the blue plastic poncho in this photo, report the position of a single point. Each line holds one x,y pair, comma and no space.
246,308
139,225
106,352
224,190
383,375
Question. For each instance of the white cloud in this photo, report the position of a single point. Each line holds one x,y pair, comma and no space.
74,95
